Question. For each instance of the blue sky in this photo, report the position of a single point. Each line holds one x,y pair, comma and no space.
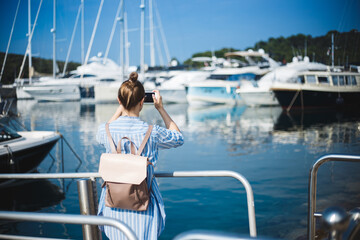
190,26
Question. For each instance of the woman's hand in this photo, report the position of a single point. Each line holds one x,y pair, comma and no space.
157,100
169,123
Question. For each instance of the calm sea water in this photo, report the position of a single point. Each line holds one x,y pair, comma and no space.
273,150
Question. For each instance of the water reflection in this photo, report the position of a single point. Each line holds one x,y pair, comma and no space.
272,149
31,195
319,131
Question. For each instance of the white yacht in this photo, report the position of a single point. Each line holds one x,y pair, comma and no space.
22,152
333,88
259,93
220,87
80,85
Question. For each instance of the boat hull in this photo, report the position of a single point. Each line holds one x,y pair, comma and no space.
173,95
54,93
259,98
306,98
25,159
213,93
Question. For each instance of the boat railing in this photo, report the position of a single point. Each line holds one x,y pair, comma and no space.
64,219
87,199
312,214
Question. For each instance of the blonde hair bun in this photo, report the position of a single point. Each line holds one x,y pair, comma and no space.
133,76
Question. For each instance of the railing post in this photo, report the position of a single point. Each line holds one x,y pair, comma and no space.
88,206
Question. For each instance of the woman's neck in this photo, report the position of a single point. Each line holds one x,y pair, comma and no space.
131,113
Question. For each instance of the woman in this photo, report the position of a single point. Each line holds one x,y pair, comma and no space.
126,122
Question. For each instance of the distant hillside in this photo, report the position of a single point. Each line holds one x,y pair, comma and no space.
41,66
347,48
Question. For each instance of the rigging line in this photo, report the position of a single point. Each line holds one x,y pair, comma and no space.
161,60
93,33
30,38
162,32
8,46
72,38
117,16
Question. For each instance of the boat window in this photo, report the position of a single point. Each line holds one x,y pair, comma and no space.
107,80
301,79
218,77
348,80
245,76
335,80
7,134
353,80
310,79
323,80
84,76
341,80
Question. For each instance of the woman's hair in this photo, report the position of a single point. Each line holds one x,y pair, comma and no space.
131,92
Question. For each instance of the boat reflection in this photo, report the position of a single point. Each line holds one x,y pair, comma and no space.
31,195
319,131
243,128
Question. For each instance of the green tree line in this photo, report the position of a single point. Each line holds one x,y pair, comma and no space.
42,67
346,44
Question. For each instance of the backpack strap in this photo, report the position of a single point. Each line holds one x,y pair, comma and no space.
132,145
111,141
141,148
147,135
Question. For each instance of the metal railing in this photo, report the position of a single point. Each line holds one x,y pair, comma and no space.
93,175
312,187
64,218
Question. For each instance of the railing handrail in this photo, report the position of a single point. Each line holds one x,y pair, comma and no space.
93,175
68,219
312,186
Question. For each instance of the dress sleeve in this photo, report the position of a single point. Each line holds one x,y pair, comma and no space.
100,136
168,138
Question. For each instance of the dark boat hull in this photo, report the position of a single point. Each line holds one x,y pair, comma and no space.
316,99
25,160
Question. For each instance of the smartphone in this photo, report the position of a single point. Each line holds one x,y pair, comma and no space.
148,97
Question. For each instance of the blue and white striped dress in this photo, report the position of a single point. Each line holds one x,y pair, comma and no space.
150,223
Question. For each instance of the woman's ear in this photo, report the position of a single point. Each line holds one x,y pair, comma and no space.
118,100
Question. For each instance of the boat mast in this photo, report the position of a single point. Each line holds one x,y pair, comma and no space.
93,33
8,45
72,39
151,27
332,51
53,30
121,22
29,40
127,44
82,32
142,23
117,18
